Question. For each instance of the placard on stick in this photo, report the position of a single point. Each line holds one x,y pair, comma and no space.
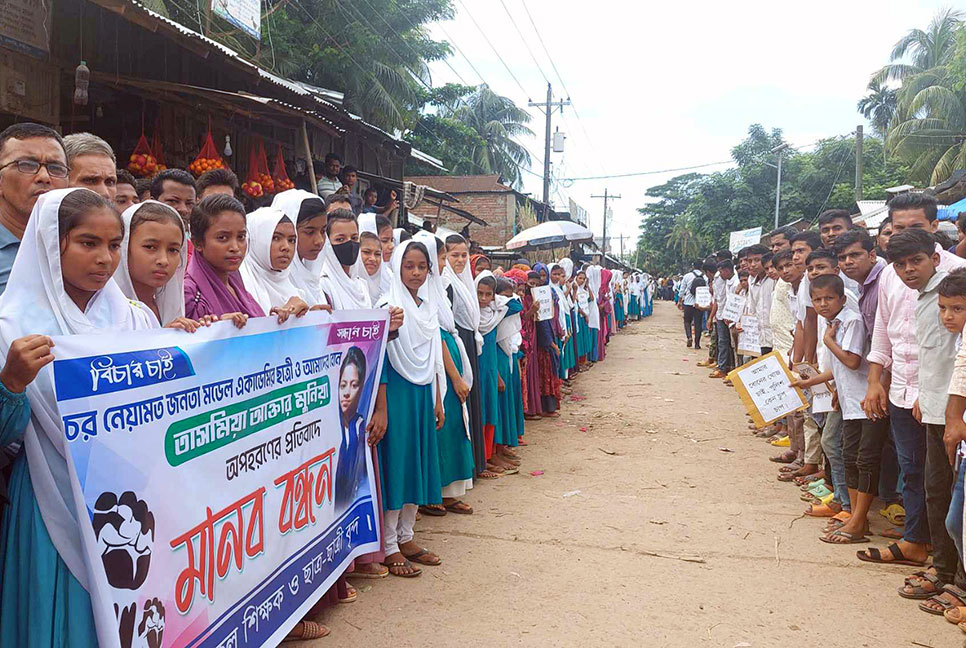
749,341
544,297
764,386
702,297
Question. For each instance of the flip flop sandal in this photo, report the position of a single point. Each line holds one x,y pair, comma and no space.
850,538
488,474
962,626
405,563
947,600
310,630
919,592
818,494
895,514
815,486
782,459
809,480
434,512
787,477
351,598
821,511
418,558
791,467
460,507
956,615
873,555
510,471
368,575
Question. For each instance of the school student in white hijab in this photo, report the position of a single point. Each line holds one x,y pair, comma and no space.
60,284
455,448
307,211
153,258
408,453
266,269
373,267
466,311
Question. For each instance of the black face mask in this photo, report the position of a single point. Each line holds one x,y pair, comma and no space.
347,253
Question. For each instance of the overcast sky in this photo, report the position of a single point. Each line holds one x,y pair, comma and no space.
675,84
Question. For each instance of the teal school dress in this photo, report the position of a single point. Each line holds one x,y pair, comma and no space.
42,605
455,449
490,391
408,453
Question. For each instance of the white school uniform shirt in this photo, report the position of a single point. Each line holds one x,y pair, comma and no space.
822,354
851,385
721,289
759,305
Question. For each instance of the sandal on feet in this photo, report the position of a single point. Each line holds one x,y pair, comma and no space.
920,586
460,507
821,511
784,458
351,596
309,630
956,615
434,510
396,569
895,514
843,537
488,474
951,598
424,557
372,570
873,555
892,533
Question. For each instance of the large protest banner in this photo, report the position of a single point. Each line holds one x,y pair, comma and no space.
222,479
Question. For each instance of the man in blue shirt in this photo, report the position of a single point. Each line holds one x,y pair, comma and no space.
32,162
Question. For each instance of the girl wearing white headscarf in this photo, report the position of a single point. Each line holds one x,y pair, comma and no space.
379,281
593,272
568,358
166,304
492,313
455,447
408,453
466,311
271,285
47,587
307,211
510,399
344,289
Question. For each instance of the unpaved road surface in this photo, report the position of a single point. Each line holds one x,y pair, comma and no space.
603,548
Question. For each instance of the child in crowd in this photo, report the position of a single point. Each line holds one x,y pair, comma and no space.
492,310
508,340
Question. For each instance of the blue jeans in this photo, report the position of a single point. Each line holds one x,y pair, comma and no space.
954,519
889,474
910,439
832,445
725,356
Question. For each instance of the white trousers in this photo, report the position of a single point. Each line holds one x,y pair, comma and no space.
399,527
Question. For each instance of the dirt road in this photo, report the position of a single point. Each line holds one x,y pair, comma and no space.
640,532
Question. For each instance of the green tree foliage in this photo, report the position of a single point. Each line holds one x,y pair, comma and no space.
374,51
472,130
692,215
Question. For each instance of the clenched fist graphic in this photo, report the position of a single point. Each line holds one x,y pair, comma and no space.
124,528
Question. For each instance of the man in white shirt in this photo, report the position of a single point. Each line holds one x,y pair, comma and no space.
686,303
722,289
331,180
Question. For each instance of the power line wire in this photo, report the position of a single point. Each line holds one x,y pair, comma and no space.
495,51
524,41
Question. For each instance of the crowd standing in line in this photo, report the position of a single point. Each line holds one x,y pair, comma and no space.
86,248
880,321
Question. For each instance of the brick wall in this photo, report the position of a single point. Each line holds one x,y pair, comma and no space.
497,209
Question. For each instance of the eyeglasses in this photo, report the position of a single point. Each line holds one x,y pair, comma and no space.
32,167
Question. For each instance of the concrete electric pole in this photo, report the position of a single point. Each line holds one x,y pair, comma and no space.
858,163
607,196
548,108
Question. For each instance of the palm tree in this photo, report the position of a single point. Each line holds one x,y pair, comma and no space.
879,106
927,49
683,238
498,121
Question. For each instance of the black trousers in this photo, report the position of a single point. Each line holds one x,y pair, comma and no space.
939,492
862,442
692,323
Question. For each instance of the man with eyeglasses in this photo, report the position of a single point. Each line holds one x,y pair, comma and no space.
32,162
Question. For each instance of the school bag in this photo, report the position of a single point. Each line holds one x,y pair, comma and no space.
699,281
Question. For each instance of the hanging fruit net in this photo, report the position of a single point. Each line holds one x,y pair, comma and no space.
142,162
208,158
252,187
158,149
264,176
280,174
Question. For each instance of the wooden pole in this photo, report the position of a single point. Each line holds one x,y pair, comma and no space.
308,158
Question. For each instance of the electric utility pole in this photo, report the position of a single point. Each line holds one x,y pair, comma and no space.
778,186
858,163
607,196
548,109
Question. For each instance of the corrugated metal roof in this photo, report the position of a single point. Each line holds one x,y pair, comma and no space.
462,184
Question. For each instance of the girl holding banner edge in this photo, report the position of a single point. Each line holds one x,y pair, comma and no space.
61,284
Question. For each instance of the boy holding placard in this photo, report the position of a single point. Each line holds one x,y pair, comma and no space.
723,286
791,273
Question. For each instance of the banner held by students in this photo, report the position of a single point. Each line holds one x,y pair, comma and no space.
224,476
764,386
